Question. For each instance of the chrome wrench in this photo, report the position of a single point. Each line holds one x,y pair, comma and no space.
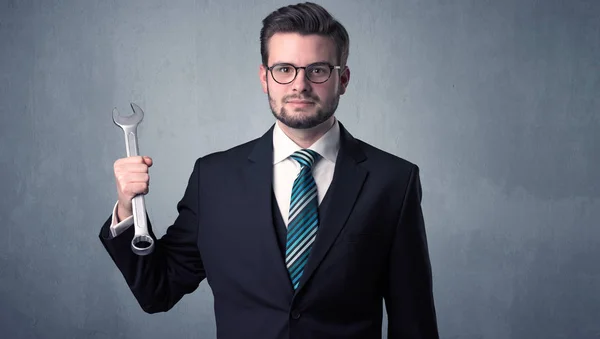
142,243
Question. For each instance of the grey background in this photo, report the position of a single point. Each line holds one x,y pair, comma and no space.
498,102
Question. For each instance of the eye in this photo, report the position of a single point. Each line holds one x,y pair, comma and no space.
319,69
282,69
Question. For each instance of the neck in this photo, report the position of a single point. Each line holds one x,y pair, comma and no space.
306,137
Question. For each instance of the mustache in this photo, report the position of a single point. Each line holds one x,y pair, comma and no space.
298,97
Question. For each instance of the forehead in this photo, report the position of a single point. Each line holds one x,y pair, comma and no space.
301,49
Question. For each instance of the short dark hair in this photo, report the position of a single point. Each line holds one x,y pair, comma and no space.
305,18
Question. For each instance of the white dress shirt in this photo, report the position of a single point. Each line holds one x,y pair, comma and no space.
285,171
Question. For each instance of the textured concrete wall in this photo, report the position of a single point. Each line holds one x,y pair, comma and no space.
498,102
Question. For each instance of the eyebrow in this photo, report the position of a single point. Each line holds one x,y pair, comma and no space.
312,63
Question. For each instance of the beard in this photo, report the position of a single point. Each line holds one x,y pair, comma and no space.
303,121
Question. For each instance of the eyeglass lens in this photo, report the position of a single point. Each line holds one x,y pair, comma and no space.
285,73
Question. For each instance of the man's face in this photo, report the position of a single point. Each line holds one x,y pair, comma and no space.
303,104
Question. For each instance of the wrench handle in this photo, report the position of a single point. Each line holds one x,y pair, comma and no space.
142,243
131,143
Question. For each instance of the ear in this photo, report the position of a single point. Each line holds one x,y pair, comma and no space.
344,80
262,74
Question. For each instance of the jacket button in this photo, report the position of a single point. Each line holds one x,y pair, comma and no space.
295,314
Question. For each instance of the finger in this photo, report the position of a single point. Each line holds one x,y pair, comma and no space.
124,162
138,159
135,178
132,168
132,189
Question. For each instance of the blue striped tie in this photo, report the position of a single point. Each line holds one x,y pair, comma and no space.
304,216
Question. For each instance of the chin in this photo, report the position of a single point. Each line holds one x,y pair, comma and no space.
301,121
300,117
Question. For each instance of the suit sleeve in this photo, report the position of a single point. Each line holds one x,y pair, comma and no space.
408,293
159,280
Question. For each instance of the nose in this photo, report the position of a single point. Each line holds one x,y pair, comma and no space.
301,83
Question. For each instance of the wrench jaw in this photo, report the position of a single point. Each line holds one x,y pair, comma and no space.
137,111
115,116
128,121
142,244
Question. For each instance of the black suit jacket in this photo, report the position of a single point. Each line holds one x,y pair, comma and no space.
371,246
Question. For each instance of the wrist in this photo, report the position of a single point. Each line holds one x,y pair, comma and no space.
122,213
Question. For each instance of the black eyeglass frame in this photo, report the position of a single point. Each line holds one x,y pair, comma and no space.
296,68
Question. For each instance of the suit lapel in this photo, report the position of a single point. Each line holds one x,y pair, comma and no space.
258,178
347,182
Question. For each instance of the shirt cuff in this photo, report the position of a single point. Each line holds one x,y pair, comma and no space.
118,228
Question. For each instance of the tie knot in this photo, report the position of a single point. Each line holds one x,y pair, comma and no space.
306,157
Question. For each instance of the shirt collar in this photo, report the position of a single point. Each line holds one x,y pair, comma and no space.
327,146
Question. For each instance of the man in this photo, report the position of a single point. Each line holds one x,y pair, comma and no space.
301,233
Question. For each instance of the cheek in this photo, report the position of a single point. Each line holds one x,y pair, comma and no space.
327,92
276,92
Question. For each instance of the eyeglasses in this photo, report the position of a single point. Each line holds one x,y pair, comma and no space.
316,73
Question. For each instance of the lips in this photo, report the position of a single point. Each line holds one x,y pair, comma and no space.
301,102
